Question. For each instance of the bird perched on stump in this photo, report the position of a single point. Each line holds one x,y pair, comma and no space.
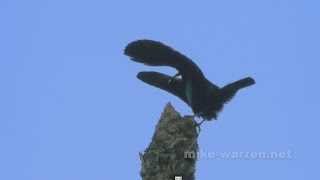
205,98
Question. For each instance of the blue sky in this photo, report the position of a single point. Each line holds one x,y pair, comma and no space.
72,108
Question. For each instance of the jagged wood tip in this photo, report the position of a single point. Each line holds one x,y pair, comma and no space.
173,139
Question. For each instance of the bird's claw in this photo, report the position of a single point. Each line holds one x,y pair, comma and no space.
198,124
198,127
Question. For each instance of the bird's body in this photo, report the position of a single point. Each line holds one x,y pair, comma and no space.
205,98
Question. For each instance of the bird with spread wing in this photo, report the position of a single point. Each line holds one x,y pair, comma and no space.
205,98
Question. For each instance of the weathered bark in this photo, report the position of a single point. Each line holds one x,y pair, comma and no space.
165,157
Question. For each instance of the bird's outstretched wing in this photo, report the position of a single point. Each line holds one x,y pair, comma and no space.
161,81
154,53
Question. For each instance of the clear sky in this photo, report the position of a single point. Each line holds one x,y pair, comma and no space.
71,107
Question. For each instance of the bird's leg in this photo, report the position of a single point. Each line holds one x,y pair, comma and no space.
178,74
198,124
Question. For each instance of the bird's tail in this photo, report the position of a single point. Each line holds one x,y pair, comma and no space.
154,53
228,91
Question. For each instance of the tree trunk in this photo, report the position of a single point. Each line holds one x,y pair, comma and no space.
173,149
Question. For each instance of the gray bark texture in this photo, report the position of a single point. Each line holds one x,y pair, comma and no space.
174,136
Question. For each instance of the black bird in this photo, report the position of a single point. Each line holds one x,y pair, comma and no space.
205,98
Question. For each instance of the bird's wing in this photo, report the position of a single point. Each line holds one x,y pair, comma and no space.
154,53
175,86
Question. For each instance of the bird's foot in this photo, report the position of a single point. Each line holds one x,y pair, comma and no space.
198,124
178,74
